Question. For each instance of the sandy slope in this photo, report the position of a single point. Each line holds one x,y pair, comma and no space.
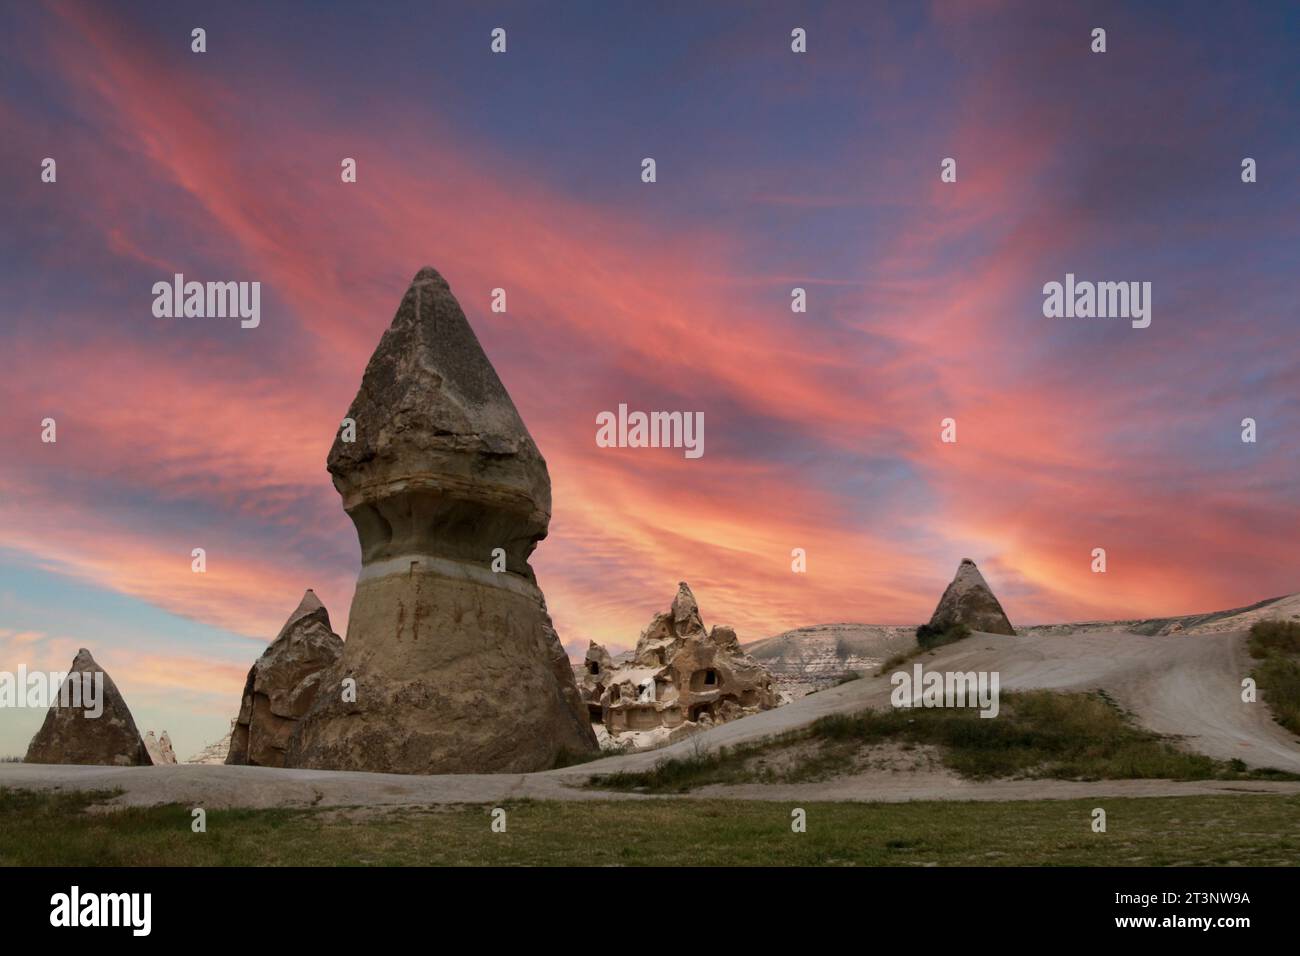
1186,683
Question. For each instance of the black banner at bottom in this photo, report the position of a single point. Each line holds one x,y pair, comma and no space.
338,905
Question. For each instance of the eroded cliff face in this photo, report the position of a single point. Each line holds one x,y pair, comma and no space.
217,751
811,658
457,666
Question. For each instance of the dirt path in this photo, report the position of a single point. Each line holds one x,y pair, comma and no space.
215,787
1188,685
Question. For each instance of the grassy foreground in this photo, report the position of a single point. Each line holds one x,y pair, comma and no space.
1257,830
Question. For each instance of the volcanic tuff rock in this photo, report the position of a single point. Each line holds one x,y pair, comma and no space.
680,678
159,748
821,655
71,735
457,665
282,685
968,600
1286,607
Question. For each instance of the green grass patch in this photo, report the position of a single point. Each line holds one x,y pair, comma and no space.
1274,637
1037,734
1276,645
1255,830
682,774
898,660
928,638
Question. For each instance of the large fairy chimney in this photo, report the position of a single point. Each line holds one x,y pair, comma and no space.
457,666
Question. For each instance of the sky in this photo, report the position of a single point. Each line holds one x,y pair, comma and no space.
522,171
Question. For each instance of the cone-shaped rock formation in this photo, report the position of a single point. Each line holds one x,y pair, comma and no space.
457,665
283,684
102,733
969,600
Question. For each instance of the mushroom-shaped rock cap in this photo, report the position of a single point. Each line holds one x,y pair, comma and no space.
440,451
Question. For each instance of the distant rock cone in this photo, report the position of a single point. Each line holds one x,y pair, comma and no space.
151,748
457,665
282,685
73,735
159,748
969,600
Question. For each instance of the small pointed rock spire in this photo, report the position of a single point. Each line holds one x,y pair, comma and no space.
309,607
282,685
686,612
969,600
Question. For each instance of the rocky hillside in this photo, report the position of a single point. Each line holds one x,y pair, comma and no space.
810,658
1215,622
215,752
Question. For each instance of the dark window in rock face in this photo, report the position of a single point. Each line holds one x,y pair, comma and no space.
707,679
593,667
